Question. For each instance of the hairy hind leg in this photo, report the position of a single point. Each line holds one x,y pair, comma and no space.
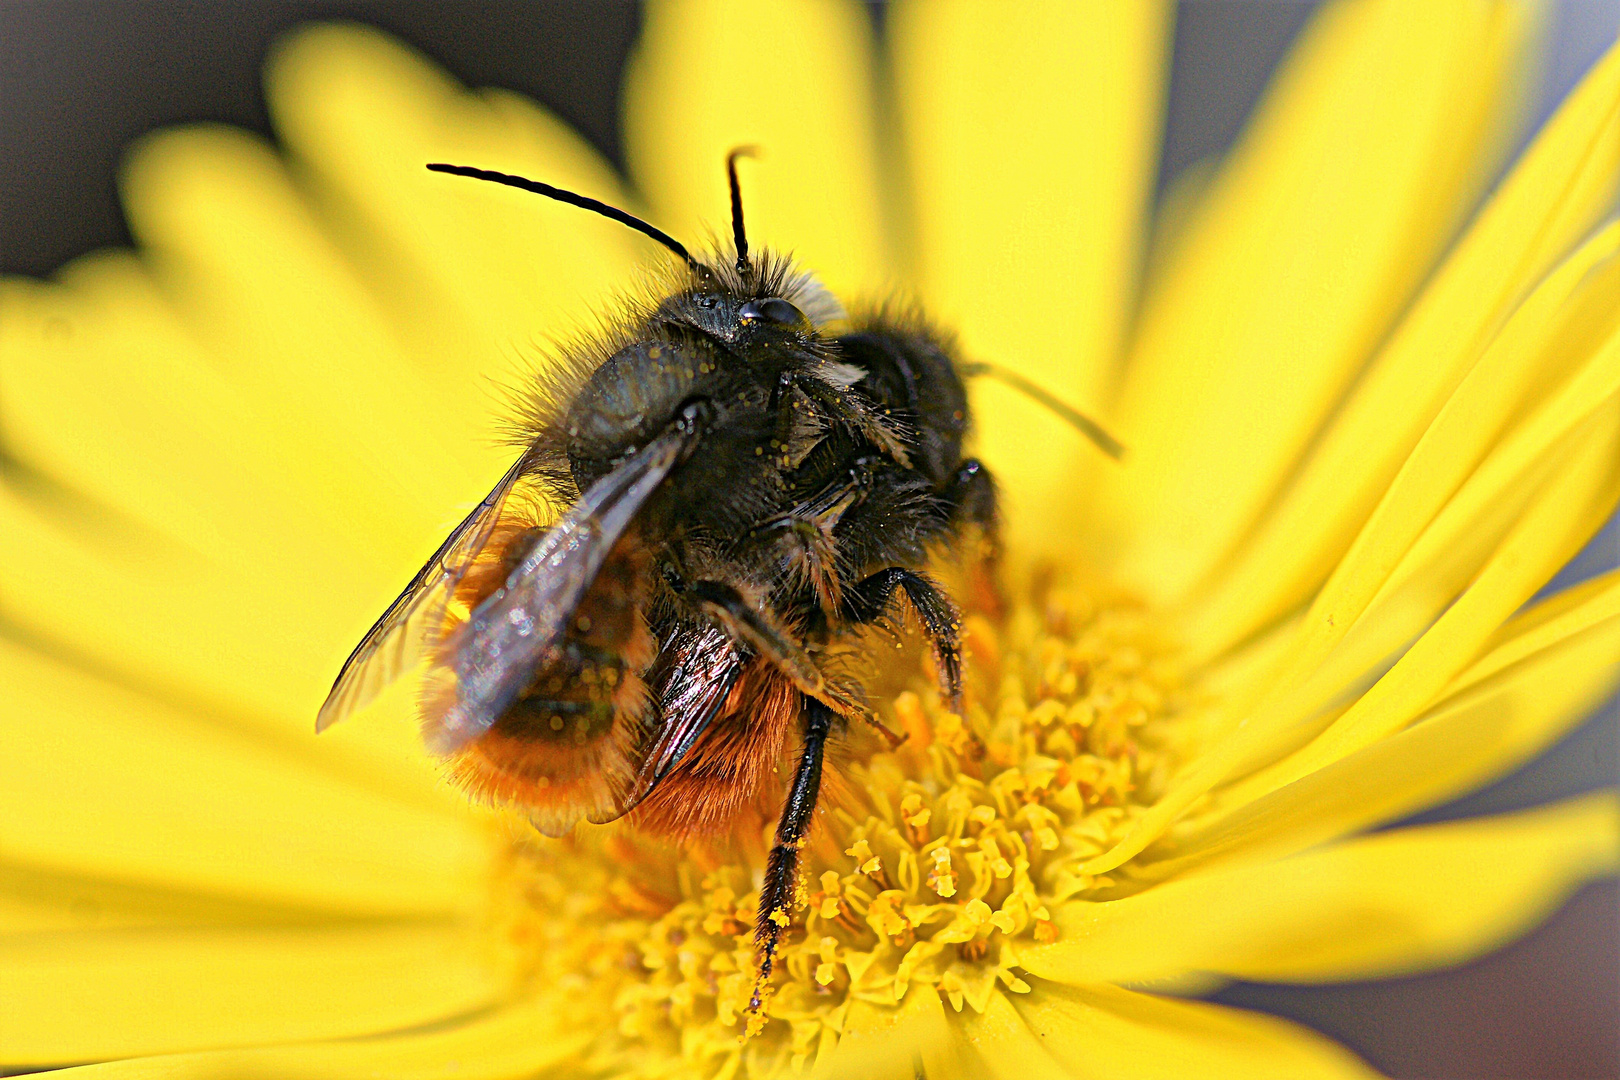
782,867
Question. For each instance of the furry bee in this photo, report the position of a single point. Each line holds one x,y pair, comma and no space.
745,489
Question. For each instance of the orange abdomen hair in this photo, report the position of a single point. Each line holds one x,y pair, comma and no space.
569,748
717,788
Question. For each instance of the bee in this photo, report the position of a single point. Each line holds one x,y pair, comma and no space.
750,478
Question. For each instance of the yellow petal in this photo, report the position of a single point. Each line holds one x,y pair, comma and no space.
1028,199
1305,250
1570,508
104,782
1391,904
183,626
35,900
1528,509
1553,196
513,1042
878,1042
83,996
1549,624
792,78
1107,1032
1503,711
260,286
1004,1046
474,276
1548,336
1432,519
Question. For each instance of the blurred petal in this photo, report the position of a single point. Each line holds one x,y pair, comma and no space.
35,900
104,782
176,623
473,276
792,78
1391,904
1031,134
1554,195
82,996
263,290
1107,1032
219,558
1305,250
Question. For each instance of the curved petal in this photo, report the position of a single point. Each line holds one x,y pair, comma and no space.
1525,512
1499,714
101,781
1028,201
1107,1032
219,550
88,995
1550,336
1390,904
1569,509
1561,187
792,78
1304,251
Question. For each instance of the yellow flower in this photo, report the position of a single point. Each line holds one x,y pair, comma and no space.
1365,429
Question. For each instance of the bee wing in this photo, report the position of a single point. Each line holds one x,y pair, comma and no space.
496,652
700,666
413,622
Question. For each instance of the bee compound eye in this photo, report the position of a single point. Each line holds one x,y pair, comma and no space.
773,310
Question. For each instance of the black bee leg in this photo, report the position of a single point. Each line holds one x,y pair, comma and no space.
870,600
971,497
741,622
776,895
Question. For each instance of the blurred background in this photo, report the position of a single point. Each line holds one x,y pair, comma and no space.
80,80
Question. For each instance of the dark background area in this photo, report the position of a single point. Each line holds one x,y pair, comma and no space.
80,80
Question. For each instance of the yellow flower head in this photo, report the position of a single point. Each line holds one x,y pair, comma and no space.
1372,400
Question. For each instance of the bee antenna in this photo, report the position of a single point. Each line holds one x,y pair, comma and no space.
1083,423
595,206
737,232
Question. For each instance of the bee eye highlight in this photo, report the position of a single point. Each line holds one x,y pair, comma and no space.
773,310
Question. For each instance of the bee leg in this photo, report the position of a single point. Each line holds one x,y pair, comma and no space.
970,496
873,598
776,895
760,632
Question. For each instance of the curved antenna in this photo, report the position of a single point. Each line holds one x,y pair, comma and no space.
583,202
1085,424
737,232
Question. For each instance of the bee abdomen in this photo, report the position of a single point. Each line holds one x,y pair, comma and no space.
567,748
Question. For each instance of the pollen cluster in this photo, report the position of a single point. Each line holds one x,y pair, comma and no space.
930,867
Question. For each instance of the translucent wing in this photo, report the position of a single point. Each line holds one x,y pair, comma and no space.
496,653
700,665
413,622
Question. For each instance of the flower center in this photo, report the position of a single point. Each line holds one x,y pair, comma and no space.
930,865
